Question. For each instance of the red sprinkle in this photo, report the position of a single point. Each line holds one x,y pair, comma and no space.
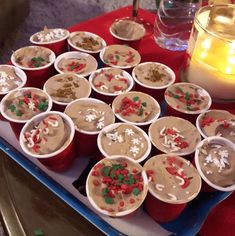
132,200
96,182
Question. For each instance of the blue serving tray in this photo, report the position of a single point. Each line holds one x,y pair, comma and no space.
187,224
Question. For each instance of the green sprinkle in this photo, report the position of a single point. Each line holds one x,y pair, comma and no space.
135,99
108,200
141,112
180,89
42,106
105,191
187,96
112,173
38,232
37,59
12,108
106,170
71,68
117,166
130,180
19,113
37,64
176,96
144,104
21,102
117,57
188,108
120,177
136,191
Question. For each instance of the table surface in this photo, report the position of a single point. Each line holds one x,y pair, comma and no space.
23,198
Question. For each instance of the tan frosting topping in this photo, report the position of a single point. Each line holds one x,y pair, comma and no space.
124,140
49,35
152,74
187,98
89,115
218,123
135,107
121,55
217,162
76,65
24,104
174,135
9,80
47,136
32,57
111,81
116,185
67,87
86,41
172,179
128,29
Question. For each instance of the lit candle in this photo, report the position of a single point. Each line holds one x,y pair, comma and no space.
212,64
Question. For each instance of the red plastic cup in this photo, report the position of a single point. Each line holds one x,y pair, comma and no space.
95,53
36,76
77,55
15,124
207,185
185,114
131,41
161,211
58,105
155,92
58,46
59,160
129,213
86,141
116,125
105,96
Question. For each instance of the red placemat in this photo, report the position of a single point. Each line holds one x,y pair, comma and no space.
222,218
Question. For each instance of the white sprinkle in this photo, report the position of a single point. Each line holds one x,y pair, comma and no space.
109,144
162,131
129,132
135,141
172,196
90,117
187,192
209,172
159,187
53,123
173,186
134,149
182,181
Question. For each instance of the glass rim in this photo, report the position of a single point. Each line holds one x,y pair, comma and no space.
214,34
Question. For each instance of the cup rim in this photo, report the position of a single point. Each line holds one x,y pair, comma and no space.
90,99
126,212
57,75
140,123
66,119
177,202
200,116
116,125
20,73
175,153
185,111
116,66
169,70
52,58
49,42
125,39
104,44
126,75
75,54
19,90
196,158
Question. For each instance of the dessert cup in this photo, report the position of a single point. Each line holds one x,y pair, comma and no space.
44,140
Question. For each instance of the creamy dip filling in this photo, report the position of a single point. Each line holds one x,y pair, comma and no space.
135,107
32,57
67,87
124,140
187,97
120,55
90,115
128,29
218,123
174,135
49,35
111,81
116,185
46,137
23,105
153,74
217,162
172,178
86,41
9,80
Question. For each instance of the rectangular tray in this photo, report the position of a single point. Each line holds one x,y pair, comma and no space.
62,183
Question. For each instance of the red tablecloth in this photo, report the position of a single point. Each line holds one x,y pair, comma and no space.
221,220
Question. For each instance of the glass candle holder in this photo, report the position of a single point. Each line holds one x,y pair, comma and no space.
210,57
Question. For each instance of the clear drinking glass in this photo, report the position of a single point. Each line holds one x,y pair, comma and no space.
173,23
